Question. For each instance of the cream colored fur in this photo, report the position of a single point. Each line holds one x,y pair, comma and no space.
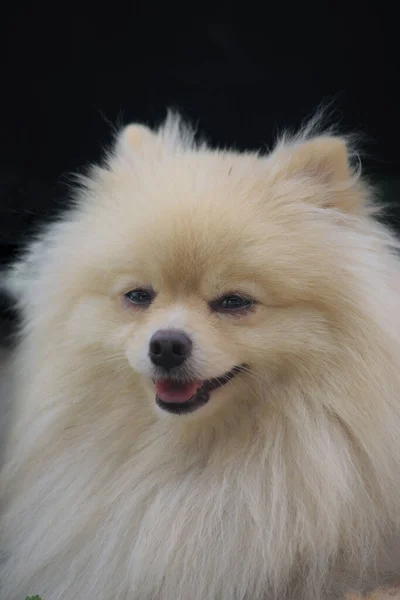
286,485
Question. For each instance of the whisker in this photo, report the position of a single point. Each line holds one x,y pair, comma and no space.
255,376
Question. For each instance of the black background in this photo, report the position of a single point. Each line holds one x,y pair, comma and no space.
70,72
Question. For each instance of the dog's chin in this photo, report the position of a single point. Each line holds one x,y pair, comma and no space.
182,398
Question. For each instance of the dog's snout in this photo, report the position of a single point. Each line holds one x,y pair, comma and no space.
169,348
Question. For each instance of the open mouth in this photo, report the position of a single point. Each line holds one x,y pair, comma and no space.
183,398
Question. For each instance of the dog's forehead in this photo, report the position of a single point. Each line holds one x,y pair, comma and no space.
191,244
183,224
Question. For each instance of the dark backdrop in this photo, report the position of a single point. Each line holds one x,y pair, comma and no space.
69,72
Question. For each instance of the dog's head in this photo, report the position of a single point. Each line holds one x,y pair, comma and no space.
212,275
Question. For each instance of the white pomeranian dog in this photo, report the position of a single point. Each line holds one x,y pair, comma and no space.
206,390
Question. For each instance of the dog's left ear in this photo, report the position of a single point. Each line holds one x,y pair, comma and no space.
324,161
133,138
323,158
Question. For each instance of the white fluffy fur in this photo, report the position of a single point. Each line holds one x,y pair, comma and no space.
287,484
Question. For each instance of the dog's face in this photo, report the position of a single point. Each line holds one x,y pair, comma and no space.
213,274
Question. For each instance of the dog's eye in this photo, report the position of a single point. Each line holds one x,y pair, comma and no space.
232,302
140,296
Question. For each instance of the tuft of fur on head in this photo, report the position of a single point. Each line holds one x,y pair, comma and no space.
285,484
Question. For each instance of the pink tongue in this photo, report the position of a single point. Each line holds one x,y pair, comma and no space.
170,391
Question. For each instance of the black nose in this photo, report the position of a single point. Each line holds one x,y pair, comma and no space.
169,348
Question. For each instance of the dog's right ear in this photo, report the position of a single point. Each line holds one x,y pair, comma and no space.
133,138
